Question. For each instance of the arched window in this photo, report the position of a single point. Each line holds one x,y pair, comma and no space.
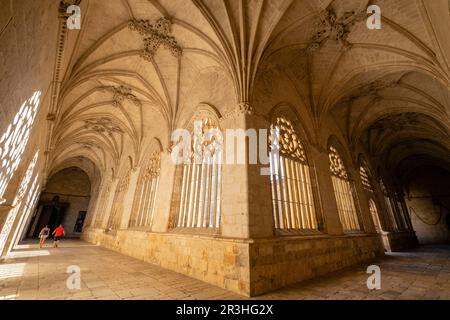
401,212
343,192
117,206
148,187
374,214
292,197
365,179
200,178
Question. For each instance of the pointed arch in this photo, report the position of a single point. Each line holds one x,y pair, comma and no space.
292,183
145,197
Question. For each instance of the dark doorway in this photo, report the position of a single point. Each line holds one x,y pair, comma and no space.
64,200
80,221
52,214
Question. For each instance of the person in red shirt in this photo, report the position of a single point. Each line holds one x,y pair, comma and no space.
58,232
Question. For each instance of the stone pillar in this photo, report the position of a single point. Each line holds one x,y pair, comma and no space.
261,222
235,206
128,199
246,195
404,209
109,203
92,209
164,194
330,214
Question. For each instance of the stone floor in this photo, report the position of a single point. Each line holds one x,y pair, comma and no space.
33,273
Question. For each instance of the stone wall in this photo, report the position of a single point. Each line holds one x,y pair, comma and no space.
278,262
219,261
400,240
73,186
428,203
76,204
248,267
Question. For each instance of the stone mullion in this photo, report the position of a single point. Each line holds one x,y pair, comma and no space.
152,208
140,222
201,219
278,181
195,213
207,191
273,181
214,189
219,190
150,189
295,194
310,196
182,214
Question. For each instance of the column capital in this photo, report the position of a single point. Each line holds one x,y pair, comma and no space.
243,108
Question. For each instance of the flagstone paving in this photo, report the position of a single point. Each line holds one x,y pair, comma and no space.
33,273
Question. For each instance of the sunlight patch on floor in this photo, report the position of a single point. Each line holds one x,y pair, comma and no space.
12,270
27,254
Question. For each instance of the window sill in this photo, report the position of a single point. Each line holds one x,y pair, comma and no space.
297,232
355,232
142,229
196,231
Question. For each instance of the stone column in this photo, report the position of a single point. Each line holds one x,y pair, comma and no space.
261,222
128,199
164,194
92,209
109,202
246,195
235,207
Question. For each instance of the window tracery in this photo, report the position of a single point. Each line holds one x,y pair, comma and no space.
200,197
292,197
343,192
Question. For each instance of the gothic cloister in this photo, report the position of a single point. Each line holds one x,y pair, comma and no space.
225,149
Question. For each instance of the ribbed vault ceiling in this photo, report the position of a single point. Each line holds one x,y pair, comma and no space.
387,89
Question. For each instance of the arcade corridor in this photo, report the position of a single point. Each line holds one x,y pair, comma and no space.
30,273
